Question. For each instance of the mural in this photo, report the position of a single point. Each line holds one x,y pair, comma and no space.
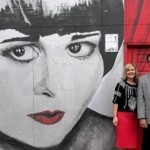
53,59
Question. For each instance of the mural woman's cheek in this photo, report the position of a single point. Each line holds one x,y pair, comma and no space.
86,77
16,85
16,100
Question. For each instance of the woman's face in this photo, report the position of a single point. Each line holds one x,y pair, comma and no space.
45,85
130,72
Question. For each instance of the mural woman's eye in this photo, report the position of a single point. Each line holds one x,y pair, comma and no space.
22,53
74,48
80,49
19,52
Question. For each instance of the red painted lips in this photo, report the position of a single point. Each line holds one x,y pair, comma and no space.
47,117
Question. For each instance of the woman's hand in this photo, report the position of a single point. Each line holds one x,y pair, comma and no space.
115,121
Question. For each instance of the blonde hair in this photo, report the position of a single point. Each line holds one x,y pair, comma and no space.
126,67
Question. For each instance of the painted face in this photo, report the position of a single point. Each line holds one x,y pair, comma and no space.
131,72
45,85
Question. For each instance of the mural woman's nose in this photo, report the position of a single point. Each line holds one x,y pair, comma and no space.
41,79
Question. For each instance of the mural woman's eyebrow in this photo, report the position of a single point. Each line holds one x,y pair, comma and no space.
30,38
82,36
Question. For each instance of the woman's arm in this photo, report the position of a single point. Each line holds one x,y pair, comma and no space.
116,101
115,111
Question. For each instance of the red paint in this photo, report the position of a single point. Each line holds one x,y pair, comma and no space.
47,117
137,33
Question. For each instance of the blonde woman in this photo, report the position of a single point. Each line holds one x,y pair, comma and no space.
125,107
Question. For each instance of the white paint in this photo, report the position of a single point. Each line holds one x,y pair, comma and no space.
102,101
50,7
11,33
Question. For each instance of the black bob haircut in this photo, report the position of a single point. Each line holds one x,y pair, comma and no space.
105,16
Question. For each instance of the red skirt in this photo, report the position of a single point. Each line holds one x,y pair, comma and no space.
127,130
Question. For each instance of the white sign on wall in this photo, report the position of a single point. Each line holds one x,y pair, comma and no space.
111,42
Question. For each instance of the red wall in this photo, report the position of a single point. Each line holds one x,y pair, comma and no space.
136,33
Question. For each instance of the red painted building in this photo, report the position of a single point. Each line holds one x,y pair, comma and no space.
137,33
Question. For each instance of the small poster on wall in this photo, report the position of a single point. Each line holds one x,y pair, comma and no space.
111,42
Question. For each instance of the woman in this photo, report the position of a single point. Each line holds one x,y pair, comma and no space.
50,56
125,106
